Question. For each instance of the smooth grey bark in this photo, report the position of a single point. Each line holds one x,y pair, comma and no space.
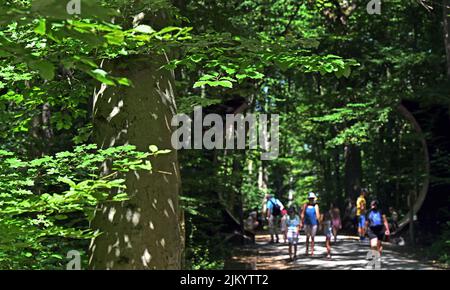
145,232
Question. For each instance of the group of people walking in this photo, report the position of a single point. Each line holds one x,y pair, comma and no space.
289,221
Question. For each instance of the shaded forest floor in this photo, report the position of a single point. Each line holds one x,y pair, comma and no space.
347,254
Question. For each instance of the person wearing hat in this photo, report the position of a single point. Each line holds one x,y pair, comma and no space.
310,219
377,226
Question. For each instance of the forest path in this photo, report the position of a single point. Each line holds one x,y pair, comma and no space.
347,254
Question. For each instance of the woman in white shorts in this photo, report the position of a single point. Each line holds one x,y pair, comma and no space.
310,220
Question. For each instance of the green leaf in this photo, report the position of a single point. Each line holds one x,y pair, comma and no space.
101,76
146,166
241,76
226,84
116,38
66,180
199,84
41,28
45,68
153,148
144,29
221,83
124,81
347,71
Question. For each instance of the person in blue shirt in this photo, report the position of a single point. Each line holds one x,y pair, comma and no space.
326,223
310,219
377,226
273,215
293,229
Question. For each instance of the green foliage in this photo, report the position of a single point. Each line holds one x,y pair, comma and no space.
333,73
231,59
54,197
440,249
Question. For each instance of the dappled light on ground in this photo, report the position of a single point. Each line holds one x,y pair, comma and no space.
347,254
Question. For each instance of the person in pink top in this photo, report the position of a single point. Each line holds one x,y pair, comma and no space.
335,220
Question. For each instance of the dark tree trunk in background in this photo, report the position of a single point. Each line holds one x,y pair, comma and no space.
353,170
238,167
41,132
337,173
146,231
446,12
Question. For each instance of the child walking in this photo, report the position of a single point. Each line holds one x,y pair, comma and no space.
293,228
335,220
327,231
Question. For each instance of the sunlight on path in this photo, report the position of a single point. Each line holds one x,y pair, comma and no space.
348,253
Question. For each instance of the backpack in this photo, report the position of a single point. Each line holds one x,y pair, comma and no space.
375,218
276,210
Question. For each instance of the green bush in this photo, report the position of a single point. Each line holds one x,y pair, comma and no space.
46,203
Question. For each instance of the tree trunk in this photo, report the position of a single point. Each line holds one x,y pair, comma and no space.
353,170
340,199
262,185
144,232
446,12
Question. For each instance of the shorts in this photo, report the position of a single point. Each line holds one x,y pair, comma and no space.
361,221
376,232
310,230
292,237
274,224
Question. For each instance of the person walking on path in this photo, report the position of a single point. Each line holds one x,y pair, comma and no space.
393,219
349,221
310,219
377,226
335,220
293,229
273,215
284,229
360,214
327,231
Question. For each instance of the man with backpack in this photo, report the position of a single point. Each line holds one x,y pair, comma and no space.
377,226
273,214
